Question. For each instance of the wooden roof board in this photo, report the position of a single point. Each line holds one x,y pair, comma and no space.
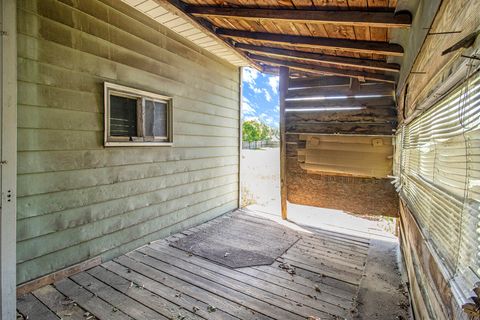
298,28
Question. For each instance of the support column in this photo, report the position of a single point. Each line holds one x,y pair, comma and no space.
8,157
284,76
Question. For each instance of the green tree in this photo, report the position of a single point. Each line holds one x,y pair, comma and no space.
253,130
265,132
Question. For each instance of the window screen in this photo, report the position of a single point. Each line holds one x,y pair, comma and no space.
155,119
123,116
439,168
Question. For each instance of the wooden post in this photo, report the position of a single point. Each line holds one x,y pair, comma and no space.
8,157
284,75
240,136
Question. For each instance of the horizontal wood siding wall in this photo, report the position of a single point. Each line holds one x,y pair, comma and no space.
77,199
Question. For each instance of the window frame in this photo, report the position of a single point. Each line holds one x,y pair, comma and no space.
141,96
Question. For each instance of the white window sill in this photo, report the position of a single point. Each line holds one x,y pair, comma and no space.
137,144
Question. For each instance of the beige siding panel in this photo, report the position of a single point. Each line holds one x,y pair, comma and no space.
75,179
37,247
63,200
61,220
78,199
115,244
48,161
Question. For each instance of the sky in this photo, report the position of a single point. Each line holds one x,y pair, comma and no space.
260,97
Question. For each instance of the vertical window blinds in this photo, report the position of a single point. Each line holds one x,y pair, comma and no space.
438,161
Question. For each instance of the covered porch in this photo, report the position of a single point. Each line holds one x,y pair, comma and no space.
121,129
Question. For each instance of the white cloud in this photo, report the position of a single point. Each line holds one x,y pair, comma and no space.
256,90
276,108
249,118
273,82
266,118
249,75
267,95
247,108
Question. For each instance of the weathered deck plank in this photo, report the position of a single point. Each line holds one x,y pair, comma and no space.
158,281
59,304
31,308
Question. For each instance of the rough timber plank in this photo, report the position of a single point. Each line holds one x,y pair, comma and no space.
31,308
89,301
64,307
302,289
316,42
171,254
219,299
330,71
350,18
204,279
283,89
119,300
161,282
347,292
317,57
138,292
173,294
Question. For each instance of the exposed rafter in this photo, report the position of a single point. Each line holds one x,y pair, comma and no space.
354,18
325,81
369,47
323,58
375,103
367,89
312,68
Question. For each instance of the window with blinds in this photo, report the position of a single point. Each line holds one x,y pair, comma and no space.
438,161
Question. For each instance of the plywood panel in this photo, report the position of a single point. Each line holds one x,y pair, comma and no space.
78,199
347,155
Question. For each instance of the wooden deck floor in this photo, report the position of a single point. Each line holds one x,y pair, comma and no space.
317,278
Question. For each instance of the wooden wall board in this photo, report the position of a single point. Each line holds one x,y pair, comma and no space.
366,102
79,200
374,115
330,127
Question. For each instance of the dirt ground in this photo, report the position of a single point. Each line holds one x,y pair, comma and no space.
383,294
260,179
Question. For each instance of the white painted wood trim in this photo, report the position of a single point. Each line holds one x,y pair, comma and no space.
8,153
188,30
240,136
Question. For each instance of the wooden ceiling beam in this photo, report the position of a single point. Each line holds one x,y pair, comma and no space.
367,89
376,103
382,19
358,46
323,58
312,68
323,81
